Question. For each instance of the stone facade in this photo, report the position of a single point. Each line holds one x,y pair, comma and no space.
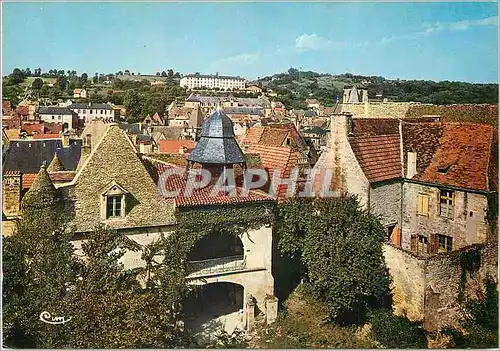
428,288
468,225
339,157
385,201
378,109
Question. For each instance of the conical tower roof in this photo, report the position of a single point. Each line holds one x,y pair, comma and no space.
217,144
353,96
55,164
42,193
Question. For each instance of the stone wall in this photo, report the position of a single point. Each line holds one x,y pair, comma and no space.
428,288
408,282
378,109
464,228
443,275
385,201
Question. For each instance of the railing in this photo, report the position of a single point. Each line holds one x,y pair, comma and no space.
216,265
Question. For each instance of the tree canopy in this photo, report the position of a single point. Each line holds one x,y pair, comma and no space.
340,246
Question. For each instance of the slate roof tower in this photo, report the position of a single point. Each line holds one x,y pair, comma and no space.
217,148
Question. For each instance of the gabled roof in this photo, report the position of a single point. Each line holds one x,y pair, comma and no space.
378,156
273,136
115,159
461,155
253,135
282,158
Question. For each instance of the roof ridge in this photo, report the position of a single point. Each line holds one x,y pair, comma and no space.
92,153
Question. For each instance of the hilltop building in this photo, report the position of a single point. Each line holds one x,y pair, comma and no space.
193,81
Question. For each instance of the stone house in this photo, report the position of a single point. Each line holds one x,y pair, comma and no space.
449,173
430,183
114,185
80,93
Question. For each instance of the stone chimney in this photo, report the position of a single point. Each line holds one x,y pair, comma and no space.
411,169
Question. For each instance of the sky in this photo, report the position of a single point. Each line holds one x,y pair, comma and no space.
437,41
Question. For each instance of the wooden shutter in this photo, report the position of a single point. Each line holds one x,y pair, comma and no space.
419,204
414,243
425,205
433,243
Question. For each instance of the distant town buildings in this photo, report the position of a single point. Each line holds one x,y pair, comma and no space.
90,111
193,81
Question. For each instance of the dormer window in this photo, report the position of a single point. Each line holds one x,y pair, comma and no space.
114,206
113,202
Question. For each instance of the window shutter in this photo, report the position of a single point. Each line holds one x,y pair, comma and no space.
414,243
419,204
434,243
425,205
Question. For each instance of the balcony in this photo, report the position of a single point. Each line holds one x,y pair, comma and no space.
215,266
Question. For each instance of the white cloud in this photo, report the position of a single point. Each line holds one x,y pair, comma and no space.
460,25
434,28
314,42
245,58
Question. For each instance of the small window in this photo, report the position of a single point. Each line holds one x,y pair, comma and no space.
90,111
101,112
445,243
78,111
84,111
446,204
113,206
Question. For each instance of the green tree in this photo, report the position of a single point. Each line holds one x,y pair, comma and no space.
17,76
37,84
84,77
340,246
170,73
163,73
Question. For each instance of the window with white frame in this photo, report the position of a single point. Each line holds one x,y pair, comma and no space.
114,202
446,200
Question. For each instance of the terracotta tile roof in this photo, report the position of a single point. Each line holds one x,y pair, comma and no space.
56,177
22,110
378,156
11,122
273,137
46,136
30,128
77,91
27,180
200,197
53,128
253,135
272,157
173,146
462,155
385,126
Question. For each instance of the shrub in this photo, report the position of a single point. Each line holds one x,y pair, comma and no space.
397,331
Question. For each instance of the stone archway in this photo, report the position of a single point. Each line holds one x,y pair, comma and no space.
214,306
216,246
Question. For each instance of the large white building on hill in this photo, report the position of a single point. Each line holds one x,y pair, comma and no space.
197,80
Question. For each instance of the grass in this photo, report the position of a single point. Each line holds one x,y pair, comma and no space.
29,80
300,325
